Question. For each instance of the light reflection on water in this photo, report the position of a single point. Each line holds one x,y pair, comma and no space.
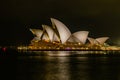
68,67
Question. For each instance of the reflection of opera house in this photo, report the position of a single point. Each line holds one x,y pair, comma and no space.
59,37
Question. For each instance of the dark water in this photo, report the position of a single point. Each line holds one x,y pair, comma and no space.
20,66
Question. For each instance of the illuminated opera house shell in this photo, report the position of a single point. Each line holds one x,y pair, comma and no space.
100,40
59,32
81,36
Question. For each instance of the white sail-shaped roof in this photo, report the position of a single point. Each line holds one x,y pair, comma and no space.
93,41
45,37
102,40
63,31
73,39
81,35
55,37
49,31
37,32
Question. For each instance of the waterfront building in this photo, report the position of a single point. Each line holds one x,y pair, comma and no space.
58,36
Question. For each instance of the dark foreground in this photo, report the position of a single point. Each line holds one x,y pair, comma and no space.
36,66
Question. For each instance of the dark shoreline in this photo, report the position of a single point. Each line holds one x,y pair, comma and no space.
15,52
66,50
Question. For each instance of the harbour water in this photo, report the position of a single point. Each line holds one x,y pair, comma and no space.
26,66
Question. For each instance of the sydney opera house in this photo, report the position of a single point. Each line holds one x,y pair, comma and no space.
59,37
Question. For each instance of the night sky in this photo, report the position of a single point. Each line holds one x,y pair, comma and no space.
99,17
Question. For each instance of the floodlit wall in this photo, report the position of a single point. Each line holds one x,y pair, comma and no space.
37,32
45,37
93,41
81,35
102,40
73,39
49,31
63,31
55,37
